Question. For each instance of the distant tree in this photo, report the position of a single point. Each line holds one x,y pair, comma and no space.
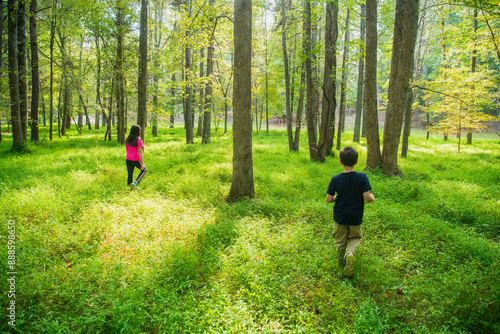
242,184
143,69
373,157
403,47
207,115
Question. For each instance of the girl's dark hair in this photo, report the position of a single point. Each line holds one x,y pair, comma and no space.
348,156
133,137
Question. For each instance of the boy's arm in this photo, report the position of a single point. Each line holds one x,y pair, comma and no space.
368,196
330,198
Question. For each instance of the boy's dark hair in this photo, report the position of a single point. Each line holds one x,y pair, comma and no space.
348,156
133,137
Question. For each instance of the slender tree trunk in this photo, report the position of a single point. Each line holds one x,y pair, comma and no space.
143,69
98,82
35,77
373,157
343,85
242,183
1,62
327,126
473,68
361,76
311,89
207,116
289,115
15,113
403,49
300,108
267,68
199,132
23,87
172,91
120,90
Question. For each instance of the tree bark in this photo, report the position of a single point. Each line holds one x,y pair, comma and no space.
53,21
311,89
15,113
403,49
143,69
343,85
329,104
373,157
361,76
473,65
1,62
300,108
242,183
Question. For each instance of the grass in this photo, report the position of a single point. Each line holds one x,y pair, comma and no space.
174,257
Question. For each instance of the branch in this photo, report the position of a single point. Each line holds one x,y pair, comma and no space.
441,93
492,34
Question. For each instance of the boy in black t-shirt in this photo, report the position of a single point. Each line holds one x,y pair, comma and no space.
349,190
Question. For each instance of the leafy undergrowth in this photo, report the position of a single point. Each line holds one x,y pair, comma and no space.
174,257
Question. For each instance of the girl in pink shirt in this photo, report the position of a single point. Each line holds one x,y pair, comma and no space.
135,158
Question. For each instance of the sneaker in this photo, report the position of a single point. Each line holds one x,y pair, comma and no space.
349,265
135,184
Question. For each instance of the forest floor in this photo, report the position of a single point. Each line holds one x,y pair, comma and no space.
92,256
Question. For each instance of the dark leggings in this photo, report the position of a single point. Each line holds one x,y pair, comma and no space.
130,168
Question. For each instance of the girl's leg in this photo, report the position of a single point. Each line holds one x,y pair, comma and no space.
141,174
130,170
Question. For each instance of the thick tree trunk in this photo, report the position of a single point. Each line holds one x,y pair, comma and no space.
343,85
311,89
35,77
15,114
242,184
361,76
289,115
23,87
327,126
373,157
403,49
143,69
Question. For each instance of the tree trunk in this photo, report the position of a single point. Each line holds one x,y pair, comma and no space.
172,114
23,87
1,62
188,120
143,69
242,184
199,132
361,76
473,66
289,115
343,85
327,126
403,48
120,90
15,113
311,89
267,68
207,115
300,108
35,77
373,157
53,21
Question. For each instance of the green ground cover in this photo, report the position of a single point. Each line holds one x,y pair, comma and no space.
174,257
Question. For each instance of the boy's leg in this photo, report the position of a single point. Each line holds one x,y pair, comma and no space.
141,174
354,239
340,233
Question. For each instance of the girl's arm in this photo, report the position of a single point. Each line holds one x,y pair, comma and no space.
141,157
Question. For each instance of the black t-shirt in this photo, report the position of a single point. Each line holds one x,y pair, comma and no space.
349,206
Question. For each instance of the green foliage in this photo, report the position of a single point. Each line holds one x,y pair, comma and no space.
174,257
